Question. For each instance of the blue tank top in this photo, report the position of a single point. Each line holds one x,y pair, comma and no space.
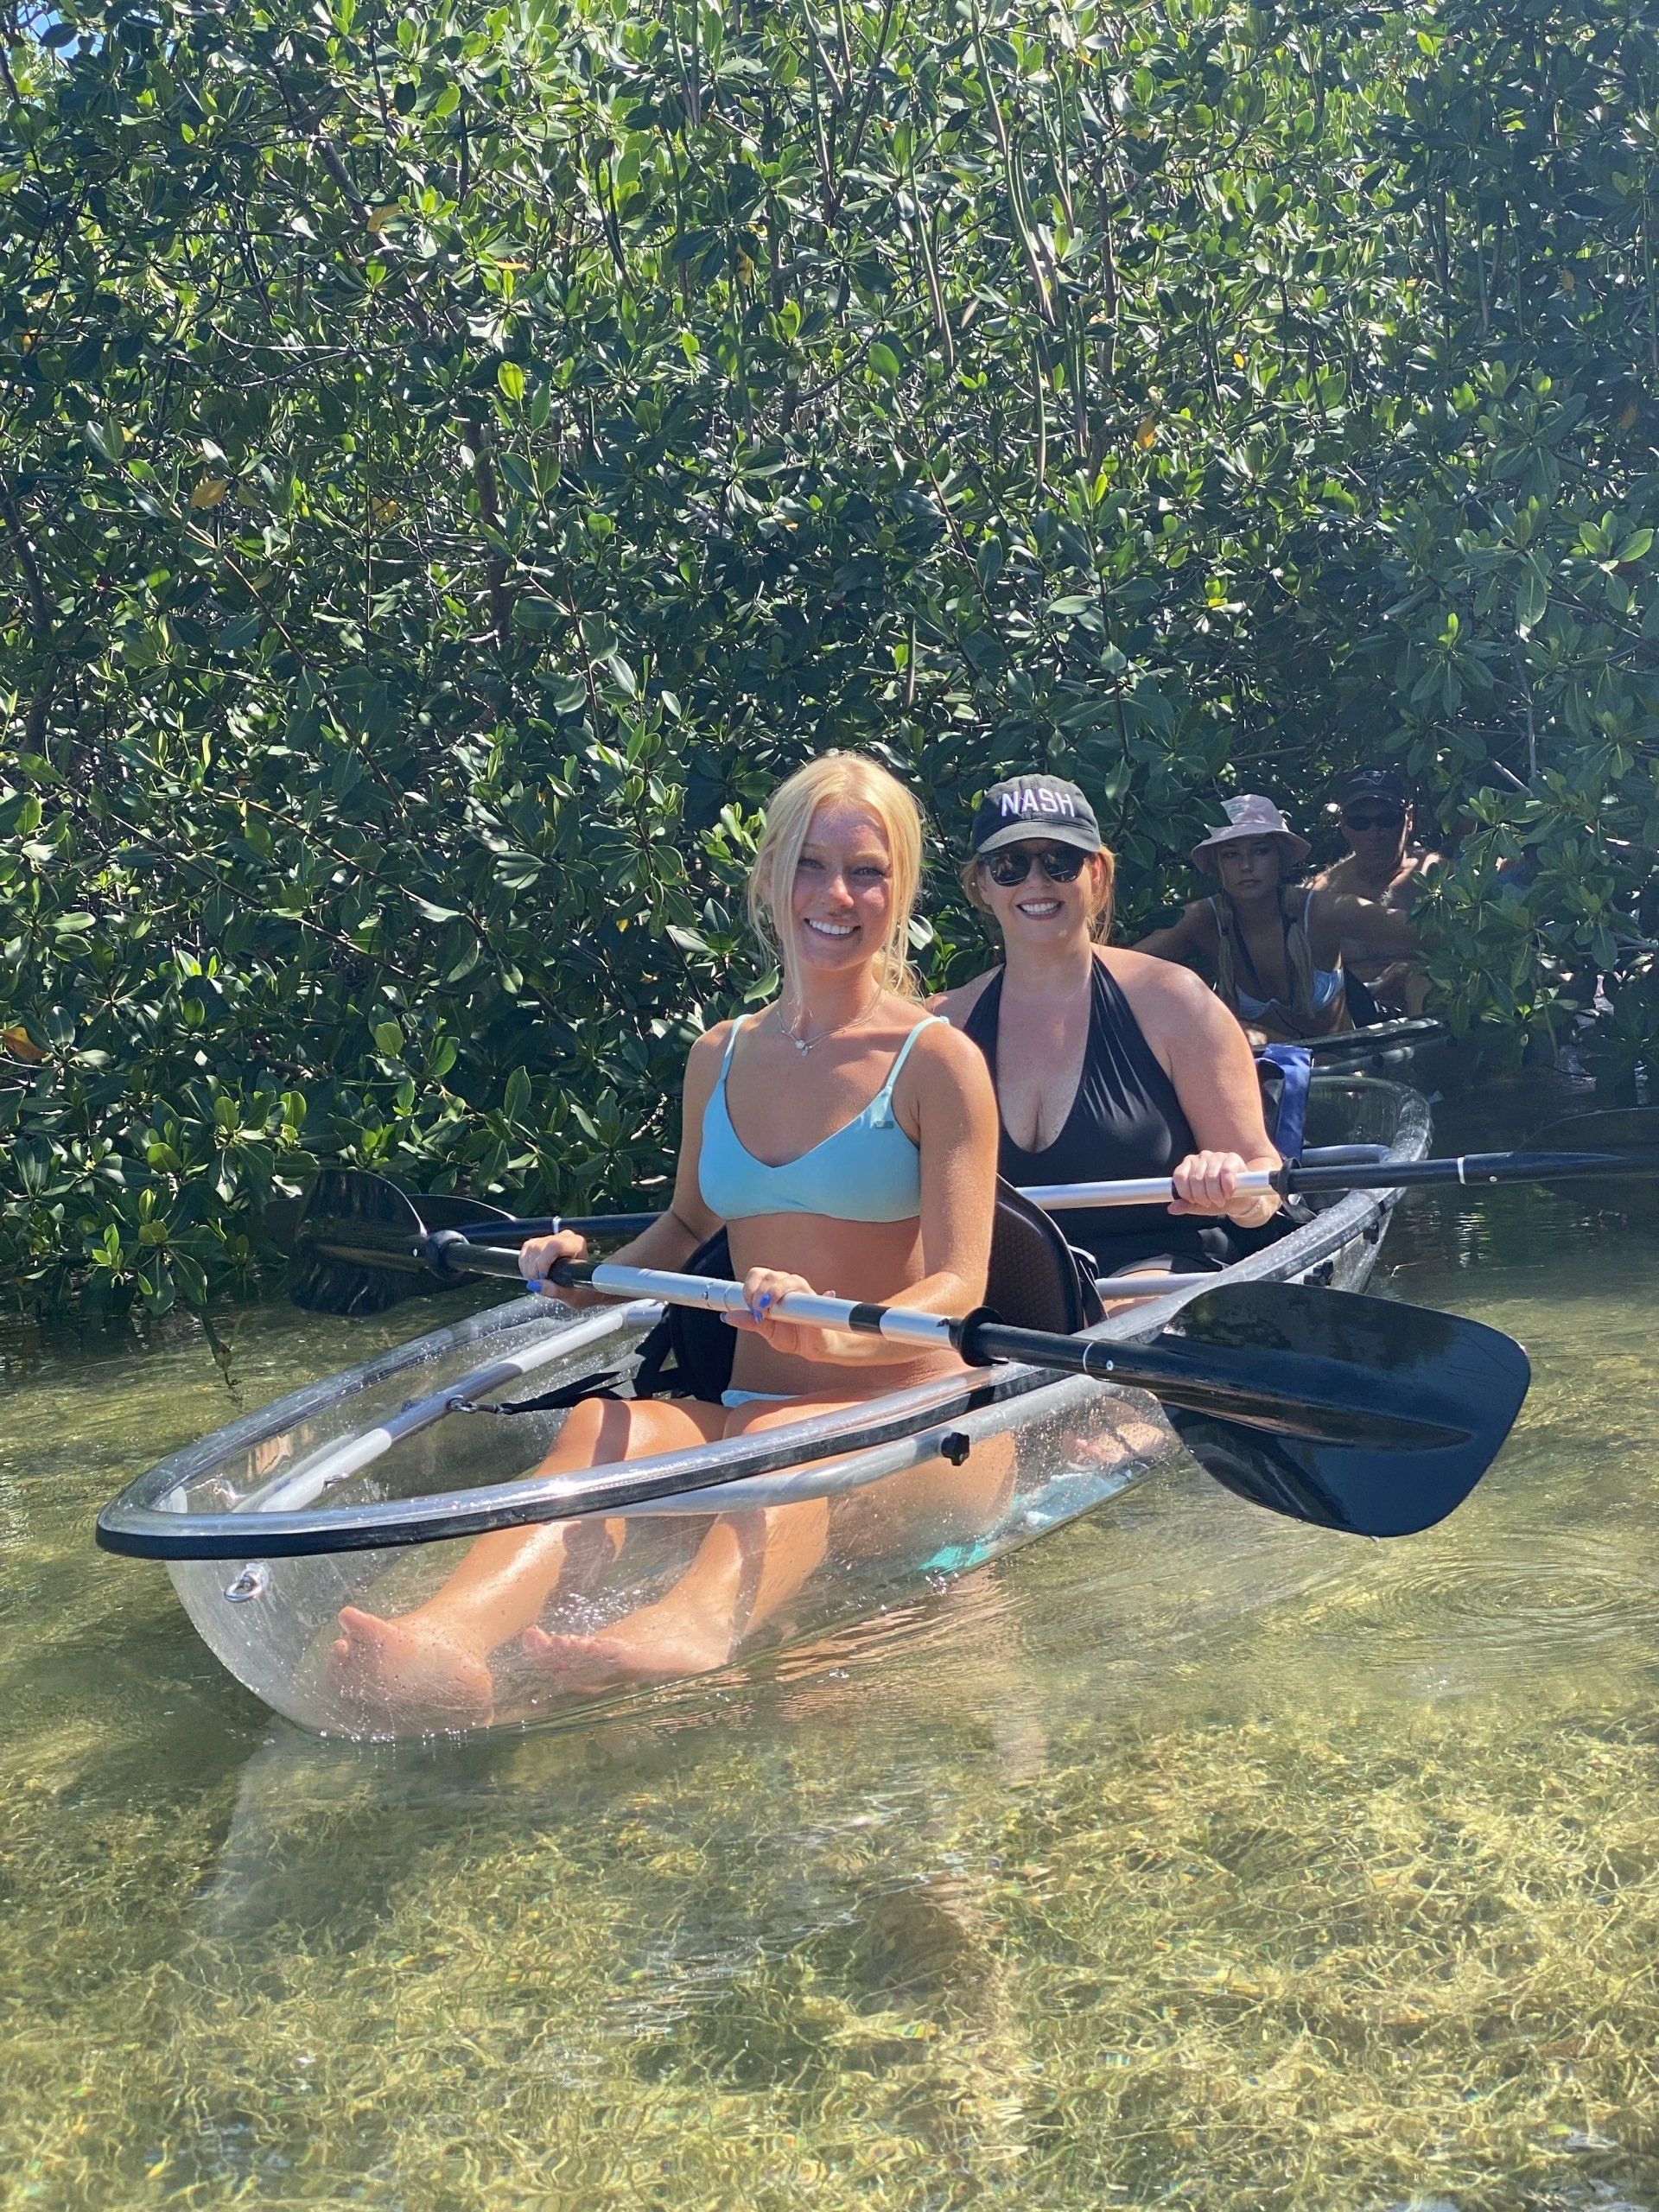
867,1170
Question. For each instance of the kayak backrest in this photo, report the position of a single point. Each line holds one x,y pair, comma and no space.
690,1352
1036,1280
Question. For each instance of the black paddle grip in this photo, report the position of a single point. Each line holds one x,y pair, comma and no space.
974,1337
452,1256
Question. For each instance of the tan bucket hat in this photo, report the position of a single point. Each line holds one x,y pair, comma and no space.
1248,816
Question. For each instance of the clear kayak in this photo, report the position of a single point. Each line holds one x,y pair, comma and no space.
1415,1047
368,1489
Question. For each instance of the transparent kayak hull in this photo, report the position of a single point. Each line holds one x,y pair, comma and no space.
1413,1049
398,1466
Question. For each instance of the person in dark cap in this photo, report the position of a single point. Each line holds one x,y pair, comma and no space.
1273,950
1106,1063
1383,863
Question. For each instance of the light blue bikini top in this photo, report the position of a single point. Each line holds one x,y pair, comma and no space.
1315,991
867,1170
1326,984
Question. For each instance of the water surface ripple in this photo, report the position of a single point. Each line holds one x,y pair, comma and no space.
1188,1857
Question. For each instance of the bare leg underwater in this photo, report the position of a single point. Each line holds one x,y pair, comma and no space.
745,1567
433,1661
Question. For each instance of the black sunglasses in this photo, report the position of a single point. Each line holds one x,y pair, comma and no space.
1059,863
1389,817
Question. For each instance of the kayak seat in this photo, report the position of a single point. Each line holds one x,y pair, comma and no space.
1036,1280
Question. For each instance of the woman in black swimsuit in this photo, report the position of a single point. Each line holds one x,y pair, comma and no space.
1107,1063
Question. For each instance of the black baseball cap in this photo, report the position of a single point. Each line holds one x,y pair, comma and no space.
1385,783
1023,807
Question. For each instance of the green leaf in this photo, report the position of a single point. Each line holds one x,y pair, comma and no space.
537,616
516,475
568,694
463,958
1531,594
510,378
885,361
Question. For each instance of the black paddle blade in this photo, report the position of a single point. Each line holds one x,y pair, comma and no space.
1627,1137
1440,1395
352,1249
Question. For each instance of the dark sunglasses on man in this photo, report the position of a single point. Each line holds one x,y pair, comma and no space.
1374,818
1059,863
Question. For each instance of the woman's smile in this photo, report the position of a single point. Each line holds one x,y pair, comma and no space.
843,888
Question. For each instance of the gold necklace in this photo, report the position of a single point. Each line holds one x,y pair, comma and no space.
805,1044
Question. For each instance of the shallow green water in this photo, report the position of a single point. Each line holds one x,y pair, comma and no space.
1186,1859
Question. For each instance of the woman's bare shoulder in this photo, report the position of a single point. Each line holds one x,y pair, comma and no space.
702,1061
941,1045
1178,1014
945,1072
1160,981
956,1005
714,1040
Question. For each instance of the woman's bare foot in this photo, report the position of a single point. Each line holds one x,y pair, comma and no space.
690,1630
634,1650
1119,1446
401,1667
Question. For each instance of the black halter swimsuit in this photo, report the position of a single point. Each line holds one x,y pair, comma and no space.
1125,1120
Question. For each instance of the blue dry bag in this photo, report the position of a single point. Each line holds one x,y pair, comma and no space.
1283,1071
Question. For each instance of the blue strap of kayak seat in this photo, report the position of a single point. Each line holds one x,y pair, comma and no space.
1296,1067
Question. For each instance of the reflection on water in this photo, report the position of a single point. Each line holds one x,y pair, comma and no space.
1189,1857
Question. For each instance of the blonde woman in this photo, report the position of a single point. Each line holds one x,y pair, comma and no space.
846,1139
1107,1063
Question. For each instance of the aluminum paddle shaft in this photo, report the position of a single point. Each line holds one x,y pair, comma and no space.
1299,1392
1470,1169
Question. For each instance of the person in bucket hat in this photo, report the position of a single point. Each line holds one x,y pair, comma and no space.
1273,951
1252,816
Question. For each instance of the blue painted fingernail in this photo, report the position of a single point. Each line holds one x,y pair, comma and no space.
766,1300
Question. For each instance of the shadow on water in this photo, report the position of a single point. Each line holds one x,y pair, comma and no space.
1188,1857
